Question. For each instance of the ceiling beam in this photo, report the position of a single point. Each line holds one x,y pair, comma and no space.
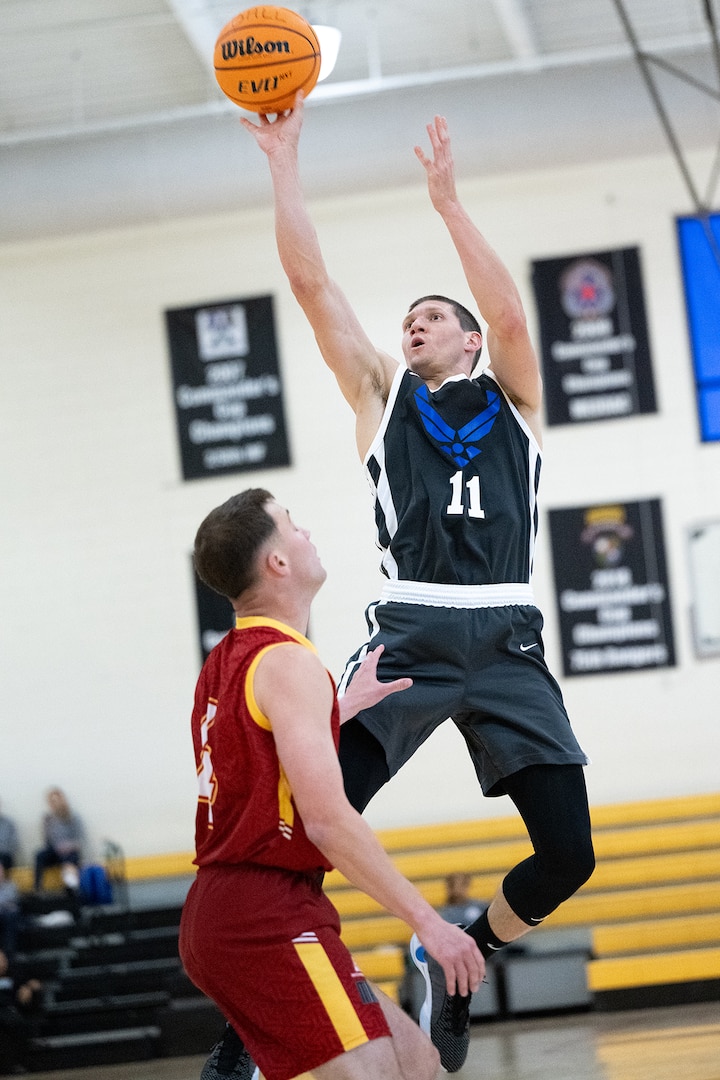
328,92
517,28
199,26
642,58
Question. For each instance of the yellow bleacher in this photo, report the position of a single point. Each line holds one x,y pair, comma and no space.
652,905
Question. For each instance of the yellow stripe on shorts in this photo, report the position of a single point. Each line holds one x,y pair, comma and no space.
332,993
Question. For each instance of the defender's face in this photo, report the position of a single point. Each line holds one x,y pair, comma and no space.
300,550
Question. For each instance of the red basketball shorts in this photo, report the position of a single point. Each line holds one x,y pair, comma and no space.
264,945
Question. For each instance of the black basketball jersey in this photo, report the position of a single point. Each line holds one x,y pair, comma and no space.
454,473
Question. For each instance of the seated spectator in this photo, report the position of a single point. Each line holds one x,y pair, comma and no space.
8,842
18,1004
63,834
9,913
459,906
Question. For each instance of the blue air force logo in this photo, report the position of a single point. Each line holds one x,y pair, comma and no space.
460,445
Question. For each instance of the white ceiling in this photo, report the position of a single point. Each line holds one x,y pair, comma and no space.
110,114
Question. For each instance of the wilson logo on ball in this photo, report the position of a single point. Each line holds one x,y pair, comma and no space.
251,47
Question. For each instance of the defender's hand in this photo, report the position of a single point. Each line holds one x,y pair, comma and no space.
365,691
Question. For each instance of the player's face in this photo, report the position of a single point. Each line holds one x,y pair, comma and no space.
300,550
434,343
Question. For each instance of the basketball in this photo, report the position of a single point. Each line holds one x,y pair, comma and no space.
264,56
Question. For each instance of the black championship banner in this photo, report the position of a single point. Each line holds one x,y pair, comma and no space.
612,590
228,391
594,338
215,616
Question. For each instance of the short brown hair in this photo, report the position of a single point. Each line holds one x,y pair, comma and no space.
229,539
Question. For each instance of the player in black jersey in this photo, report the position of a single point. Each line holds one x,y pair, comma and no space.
454,462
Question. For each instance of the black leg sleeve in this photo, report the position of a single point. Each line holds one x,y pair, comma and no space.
552,801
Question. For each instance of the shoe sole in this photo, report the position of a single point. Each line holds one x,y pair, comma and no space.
417,952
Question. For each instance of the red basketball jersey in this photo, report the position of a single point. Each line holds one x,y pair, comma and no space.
245,808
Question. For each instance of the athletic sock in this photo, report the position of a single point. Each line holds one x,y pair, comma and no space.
487,942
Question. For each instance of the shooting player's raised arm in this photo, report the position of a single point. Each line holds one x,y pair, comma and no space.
363,373
512,356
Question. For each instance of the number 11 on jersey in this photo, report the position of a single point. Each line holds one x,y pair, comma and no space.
457,506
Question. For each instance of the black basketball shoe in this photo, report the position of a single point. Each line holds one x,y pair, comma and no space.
444,1017
229,1060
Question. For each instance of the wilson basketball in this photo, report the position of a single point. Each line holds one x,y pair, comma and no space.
264,56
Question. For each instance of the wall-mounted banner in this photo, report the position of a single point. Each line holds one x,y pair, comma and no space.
215,616
699,240
612,590
228,390
593,334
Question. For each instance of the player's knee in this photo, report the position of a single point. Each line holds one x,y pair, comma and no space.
538,885
576,867
417,1057
428,1068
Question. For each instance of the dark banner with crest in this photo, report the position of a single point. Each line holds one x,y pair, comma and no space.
612,589
594,339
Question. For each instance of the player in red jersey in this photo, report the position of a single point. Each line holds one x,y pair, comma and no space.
258,935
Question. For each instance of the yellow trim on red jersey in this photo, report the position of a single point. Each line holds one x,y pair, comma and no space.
250,700
244,622
286,810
